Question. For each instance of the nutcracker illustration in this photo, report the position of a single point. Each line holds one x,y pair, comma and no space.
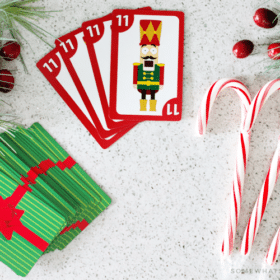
148,75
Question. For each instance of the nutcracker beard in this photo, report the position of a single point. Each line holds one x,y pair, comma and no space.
149,63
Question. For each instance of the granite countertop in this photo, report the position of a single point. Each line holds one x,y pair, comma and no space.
170,188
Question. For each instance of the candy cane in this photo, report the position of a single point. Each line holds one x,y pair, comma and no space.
274,249
261,203
211,95
242,151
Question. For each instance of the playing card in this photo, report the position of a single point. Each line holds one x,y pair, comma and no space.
98,38
82,180
31,156
77,59
16,170
28,226
97,35
54,69
147,65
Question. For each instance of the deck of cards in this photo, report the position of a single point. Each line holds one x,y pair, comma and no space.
46,198
121,69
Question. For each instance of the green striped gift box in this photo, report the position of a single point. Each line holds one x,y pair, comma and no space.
27,226
63,180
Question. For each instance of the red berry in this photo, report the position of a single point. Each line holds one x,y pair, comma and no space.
10,50
6,81
274,51
265,18
243,48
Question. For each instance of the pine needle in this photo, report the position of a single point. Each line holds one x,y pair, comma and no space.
19,13
15,15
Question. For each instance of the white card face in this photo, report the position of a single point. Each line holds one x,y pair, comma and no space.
67,83
129,53
81,63
103,55
60,75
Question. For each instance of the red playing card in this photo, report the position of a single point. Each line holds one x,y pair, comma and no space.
77,59
147,65
54,69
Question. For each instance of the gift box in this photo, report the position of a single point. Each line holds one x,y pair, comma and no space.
27,226
31,157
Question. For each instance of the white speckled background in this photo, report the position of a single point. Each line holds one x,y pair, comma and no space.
170,189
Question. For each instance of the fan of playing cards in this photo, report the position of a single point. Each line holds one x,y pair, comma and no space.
119,70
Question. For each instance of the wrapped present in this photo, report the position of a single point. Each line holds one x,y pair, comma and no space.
27,226
31,157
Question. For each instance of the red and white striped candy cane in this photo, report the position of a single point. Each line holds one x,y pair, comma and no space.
211,95
261,203
274,249
242,151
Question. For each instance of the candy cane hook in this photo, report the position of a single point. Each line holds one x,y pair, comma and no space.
242,151
272,175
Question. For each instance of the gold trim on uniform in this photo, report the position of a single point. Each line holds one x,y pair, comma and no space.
136,64
161,65
148,83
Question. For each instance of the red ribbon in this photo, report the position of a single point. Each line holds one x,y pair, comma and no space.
10,216
44,166
10,219
81,225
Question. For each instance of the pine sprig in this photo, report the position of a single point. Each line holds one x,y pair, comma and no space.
8,122
16,13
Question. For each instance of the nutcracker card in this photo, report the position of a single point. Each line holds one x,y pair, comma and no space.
121,69
147,65
98,38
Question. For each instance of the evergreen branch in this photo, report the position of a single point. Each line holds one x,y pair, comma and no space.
20,12
15,14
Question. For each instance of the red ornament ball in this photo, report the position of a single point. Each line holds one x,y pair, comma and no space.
243,48
10,50
6,81
274,51
265,18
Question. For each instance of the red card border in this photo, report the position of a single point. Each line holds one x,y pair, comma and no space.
114,69
104,143
66,58
96,70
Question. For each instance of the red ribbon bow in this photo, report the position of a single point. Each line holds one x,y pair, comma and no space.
9,218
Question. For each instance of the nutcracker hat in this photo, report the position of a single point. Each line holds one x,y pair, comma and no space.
150,32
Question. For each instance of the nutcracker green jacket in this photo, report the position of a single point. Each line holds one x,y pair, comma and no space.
148,80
